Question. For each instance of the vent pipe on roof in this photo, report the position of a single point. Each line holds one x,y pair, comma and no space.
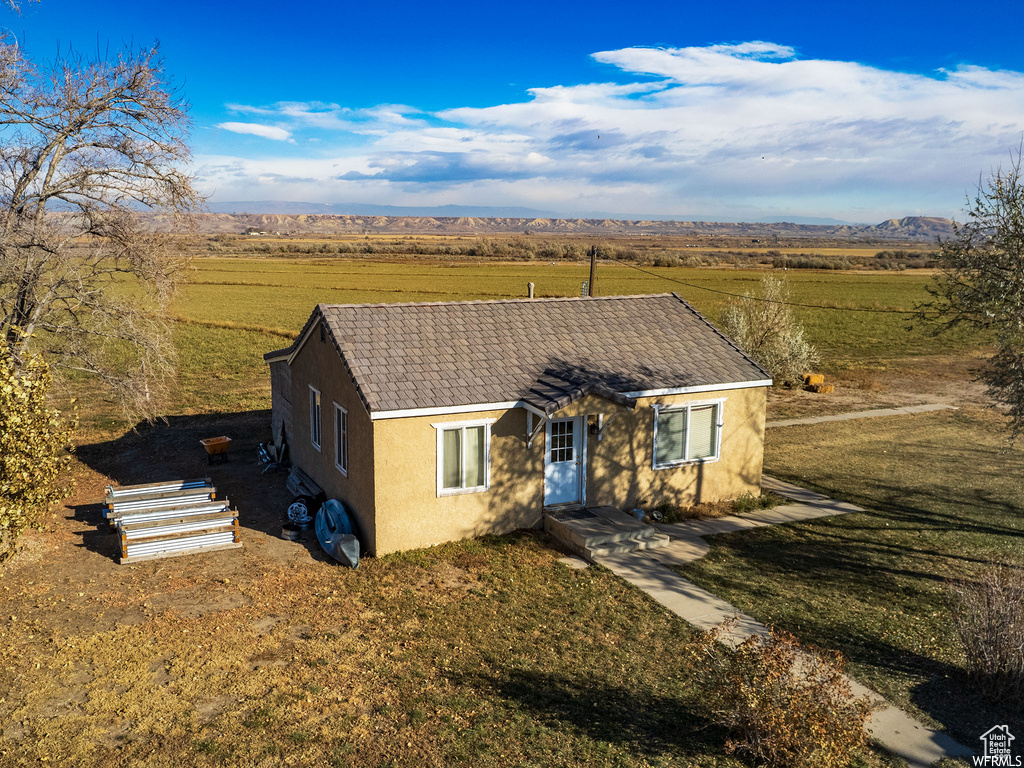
592,282
529,290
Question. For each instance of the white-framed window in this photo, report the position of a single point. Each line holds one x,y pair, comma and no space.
314,416
687,433
463,456
341,439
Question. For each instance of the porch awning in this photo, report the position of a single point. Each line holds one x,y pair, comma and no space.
553,391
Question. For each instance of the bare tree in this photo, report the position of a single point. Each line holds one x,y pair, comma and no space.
87,149
15,5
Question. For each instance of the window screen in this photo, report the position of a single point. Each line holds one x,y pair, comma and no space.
314,417
463,457
341,438
671,436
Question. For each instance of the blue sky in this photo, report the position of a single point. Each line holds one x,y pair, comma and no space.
740,110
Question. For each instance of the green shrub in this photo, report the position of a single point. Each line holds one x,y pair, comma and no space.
674,513
667,261
810,261
750,502
671,512
786,705
33,448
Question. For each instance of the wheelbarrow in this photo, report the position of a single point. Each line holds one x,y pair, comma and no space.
216,448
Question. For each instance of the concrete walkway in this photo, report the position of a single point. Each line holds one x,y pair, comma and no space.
861,415
891,727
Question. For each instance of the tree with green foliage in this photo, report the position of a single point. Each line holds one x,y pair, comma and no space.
981,284
764,327
34,452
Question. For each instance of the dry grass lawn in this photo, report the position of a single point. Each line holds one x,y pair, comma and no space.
943,498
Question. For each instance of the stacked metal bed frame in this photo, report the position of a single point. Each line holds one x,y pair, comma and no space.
180,517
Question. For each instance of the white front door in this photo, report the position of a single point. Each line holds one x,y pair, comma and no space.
563,461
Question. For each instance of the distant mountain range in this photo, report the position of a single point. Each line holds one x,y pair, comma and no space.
908,229
287,207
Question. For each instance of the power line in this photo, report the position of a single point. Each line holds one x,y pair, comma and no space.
758,298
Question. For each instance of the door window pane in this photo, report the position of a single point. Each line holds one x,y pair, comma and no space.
562,448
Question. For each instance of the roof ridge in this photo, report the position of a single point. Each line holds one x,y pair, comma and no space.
543,299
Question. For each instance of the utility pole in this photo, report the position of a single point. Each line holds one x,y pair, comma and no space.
593,271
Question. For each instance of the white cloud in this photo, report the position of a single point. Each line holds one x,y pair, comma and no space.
698,130
255,129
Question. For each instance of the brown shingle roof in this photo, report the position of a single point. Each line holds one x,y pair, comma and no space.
546,352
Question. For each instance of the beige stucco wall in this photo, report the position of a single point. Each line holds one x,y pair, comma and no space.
619,469
319,365
410,514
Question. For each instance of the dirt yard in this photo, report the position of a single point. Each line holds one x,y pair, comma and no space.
65,582
489,652
935,379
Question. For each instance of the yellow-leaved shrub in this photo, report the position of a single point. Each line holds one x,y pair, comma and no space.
34,449
786,705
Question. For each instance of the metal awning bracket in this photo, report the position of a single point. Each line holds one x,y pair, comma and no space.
531,430
603,422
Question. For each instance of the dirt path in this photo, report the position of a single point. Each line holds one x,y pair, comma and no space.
916,381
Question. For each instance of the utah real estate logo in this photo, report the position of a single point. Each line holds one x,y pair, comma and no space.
998,749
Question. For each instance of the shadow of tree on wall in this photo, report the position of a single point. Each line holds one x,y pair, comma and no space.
618,467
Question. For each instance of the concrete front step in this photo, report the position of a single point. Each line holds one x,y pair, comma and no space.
601,530
654,542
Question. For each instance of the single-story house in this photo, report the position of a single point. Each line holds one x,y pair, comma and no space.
442,421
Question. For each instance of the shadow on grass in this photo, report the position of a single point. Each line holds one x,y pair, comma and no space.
170,450
647,723
855,582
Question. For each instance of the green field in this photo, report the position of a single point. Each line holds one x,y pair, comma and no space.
222,368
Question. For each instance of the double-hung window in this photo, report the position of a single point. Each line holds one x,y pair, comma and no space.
341,439
314,417
691,432
463,457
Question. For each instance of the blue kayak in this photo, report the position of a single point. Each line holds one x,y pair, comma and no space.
336,533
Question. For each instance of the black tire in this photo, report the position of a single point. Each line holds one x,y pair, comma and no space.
301,511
